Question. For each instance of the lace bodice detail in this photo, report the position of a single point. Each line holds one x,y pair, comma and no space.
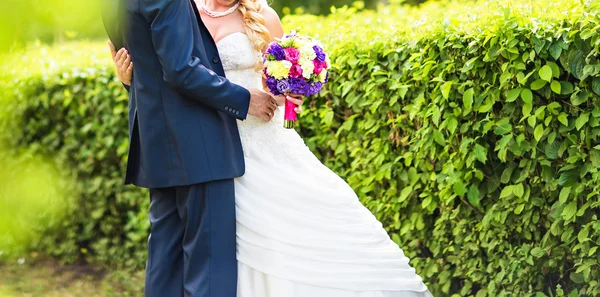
239,62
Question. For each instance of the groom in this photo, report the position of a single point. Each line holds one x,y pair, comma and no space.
184,144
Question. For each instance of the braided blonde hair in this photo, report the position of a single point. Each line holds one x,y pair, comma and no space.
256,25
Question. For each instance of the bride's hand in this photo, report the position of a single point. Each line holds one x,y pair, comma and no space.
298,100
123,64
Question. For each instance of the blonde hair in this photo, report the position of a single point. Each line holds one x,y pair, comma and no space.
256,25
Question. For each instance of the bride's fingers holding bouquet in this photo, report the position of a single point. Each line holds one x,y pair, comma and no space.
297,100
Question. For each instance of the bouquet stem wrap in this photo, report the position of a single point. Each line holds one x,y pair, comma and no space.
290,116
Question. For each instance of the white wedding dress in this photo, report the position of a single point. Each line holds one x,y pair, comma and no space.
301,230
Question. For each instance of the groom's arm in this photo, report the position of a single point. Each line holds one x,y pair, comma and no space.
172,35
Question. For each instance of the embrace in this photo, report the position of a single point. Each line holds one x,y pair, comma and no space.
239,205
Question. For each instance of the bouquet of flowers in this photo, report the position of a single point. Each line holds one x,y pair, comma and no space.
297,65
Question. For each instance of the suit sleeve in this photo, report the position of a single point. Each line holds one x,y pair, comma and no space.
172,36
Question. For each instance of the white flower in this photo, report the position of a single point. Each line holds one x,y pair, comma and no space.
308,67
323,76
308,52
300,43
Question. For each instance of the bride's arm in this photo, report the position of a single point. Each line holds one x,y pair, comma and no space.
273,23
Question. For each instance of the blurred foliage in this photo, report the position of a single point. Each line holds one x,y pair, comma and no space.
34,198
469,129
48,21
77,117
320,7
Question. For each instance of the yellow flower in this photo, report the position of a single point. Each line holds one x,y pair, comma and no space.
279,69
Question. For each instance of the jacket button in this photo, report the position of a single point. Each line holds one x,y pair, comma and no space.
216,60
237,112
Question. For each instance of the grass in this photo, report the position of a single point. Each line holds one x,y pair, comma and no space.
49,279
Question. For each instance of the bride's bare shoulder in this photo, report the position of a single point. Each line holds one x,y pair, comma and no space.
272,20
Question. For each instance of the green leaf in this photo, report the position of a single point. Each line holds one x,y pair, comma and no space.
566,87
595,157
527,96
538,84
405,193
564,194
507,174
582,45
480,153
562,118
538,132
452,123
507,192
438,137
596,85
468,98
532,120
555,86
576,63
446,88
526,109
474,196
513,94
582,120
503,126
579,98
555,69
569,211
555,51
546,73
459,188
538,252
551,150
568,178
583,235
518,190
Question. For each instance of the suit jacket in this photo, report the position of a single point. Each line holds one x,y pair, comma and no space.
182,111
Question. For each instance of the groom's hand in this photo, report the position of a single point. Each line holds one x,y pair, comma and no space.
262,104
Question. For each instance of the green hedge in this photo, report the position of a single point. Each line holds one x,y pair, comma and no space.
65,102
471,131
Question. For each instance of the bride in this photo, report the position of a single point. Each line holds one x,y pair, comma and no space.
301,230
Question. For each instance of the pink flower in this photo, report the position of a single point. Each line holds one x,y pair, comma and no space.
296,71
319,66
292,55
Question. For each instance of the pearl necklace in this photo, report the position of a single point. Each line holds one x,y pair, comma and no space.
218,14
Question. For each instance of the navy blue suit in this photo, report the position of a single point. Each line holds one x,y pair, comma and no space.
184,146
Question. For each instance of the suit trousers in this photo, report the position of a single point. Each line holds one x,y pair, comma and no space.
192,243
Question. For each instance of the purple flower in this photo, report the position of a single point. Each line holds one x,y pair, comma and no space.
283,86
316,88
320,54
277,51
298,86
272,85
327,77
